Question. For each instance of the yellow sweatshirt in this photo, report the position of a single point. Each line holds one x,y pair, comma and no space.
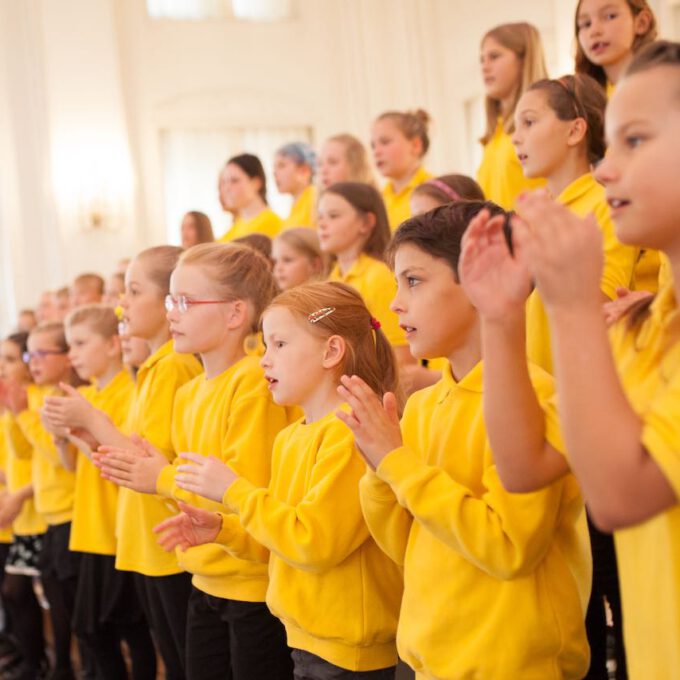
303,212
93,528
18,453
234,418
648,554
335,591
398,203
150,416
495,584
53,485
500,173
583,196
267,222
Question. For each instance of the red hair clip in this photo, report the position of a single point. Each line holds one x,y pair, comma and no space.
375,324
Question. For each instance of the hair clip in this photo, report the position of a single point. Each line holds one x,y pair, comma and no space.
375,324
322,313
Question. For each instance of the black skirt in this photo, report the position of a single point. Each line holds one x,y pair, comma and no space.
24,555
105,595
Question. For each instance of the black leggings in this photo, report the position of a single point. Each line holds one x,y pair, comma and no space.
26,615
105,647
605,585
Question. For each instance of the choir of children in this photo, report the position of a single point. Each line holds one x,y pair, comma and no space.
322,503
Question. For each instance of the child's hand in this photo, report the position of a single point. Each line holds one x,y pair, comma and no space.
563,251
72,410
193,526
495,282
136,469
375,425
206,476
625,299
54,429
10,509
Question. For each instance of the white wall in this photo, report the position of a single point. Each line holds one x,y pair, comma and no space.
87,86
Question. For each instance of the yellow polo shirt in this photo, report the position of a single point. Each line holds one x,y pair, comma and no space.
495,583
267,222
648,363
500,174
375,283
303,212
398,203
583,196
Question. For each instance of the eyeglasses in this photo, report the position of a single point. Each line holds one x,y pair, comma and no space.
41,354
183,303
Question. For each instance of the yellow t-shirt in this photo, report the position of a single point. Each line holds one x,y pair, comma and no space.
303,212
500,174
375,283
234,418
93,528
648,554
398,203
583,196
665,272
18,452
495,583
5,534
53,484
334,590
150,416
267,222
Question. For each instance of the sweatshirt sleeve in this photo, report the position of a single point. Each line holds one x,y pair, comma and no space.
388,522
238,542
325,527
39,438
506,535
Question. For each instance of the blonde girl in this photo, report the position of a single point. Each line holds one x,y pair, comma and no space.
297,257
335,591
511,60
399,141
162,584
343,158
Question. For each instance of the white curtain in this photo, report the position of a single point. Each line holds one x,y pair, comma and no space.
188,9
192,160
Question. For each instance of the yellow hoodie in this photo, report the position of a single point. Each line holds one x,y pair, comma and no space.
53,484
18,453
93,528
495,584
334,589
233,417
150,416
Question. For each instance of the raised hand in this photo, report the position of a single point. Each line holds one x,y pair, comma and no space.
206,476
137,468
495,282
375,423
563,251
625,299
193,526
71,410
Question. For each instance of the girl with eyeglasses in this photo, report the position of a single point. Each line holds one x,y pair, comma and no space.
163,585
217,293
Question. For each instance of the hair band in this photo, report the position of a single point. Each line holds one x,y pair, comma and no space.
444,188
375,324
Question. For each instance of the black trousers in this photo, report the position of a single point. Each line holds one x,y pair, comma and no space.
605,585
164,600
234,640
309,666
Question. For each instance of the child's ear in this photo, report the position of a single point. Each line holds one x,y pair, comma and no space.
642,22
577,131
369,221
416,146
237,315
334,352
115,349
